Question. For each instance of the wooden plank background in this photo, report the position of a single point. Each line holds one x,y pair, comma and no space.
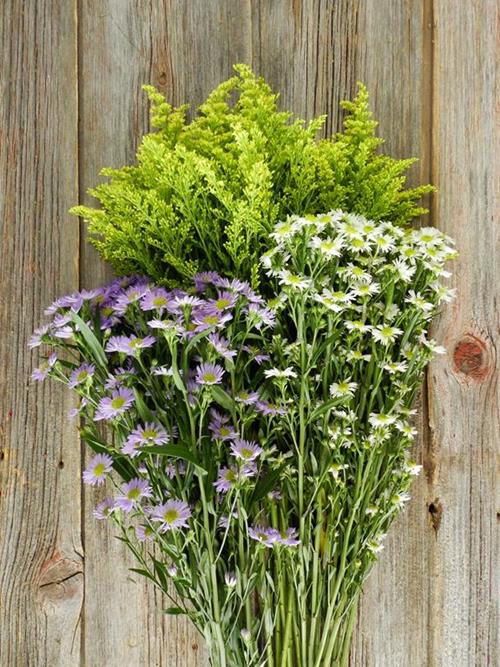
70,103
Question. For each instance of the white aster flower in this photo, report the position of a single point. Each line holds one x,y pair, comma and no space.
357,273
294,280
395,367
336,468
384,243
359,244
412,468
330,247
403,270
380,420
385,334
406,429
417,300
357,325
399,499
376,546
366,289
357,355
278,373
343,389
285,230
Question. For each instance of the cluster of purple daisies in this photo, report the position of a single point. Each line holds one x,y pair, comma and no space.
141,332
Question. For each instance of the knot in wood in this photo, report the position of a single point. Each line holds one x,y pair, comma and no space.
470,357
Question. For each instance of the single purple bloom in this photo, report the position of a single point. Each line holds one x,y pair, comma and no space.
64,333
221,429
104,509
266,536
183,301
81,375
155,299
224,301
206,319
73,301
144,533
227,479
201,280
221,346
97,469
130,295
172,514
115,405
129,344
267,408
261,316
246,397
132,492
40,373
144,436
75,412
258,356
246,450
288,538
36,338
209,374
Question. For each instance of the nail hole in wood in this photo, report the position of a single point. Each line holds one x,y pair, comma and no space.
61,465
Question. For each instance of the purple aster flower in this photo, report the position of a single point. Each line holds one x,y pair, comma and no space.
130,295
36,338
255,353
206,319
104,509
73,301
235,285
208,374
144,436
246,397
227,479
80,375
40,373
172,570
155,299
144,533
117,404
221,429
221,345
129,344
97,469
201,280
266,536
225,520
224,301
182,301
246,450
288,537
75,412
267,408
261,316
172,514
65,332
118,378
132,492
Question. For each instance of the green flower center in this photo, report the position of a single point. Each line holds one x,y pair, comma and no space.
118,402
99,469
133,494
209,377
170,516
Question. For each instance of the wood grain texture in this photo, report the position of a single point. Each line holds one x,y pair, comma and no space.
463,393
41,581
430,69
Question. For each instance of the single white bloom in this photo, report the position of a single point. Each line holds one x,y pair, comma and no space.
366,289
330,247
406,429
399,499
395,367
357,325
294,280
385,334
357,355
380,420
278,373
403,270
417,300
285,230
342,389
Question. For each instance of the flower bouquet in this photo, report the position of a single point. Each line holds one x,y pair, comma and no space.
249,394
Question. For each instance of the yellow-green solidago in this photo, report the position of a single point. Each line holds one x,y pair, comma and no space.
205,194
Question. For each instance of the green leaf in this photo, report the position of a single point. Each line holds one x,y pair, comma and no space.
267,483
143,573
91,341
176,451
222,398
143,410
174,611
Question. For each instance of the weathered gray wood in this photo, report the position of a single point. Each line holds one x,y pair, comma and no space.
122,45
41,581
463,392
430,69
